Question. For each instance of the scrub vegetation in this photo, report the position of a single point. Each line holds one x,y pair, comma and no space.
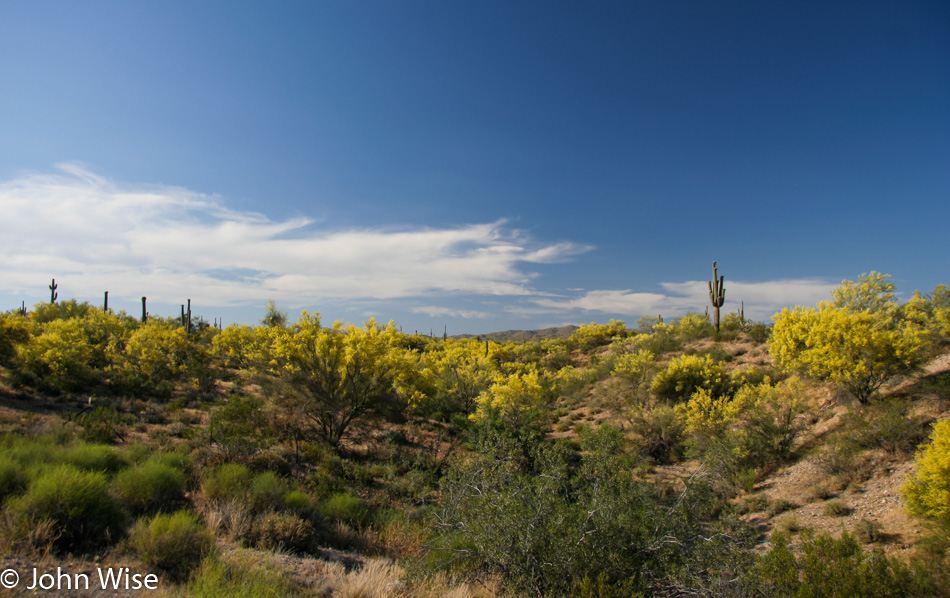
809,456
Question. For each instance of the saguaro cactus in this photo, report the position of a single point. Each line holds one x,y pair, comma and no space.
53,295
717,295
144,313
105,302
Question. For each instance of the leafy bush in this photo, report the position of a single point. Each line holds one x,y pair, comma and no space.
149,487
347,508
886,424
660,430
86,516
240,575
13,479
267,492
237,426
543,517
102,425
830,567
229,480
172,543
684,375
95,457
928,491
836,508
869,531
693,326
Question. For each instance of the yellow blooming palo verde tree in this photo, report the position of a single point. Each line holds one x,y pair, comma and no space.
858,342
927,492
514,393
335,376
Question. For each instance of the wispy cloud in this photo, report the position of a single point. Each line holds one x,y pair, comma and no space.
447,312
94,233
761,299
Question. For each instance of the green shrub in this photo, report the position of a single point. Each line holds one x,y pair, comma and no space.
172,543
149,487
85,514
829,567
869,531
542,516
13,479
759,332
661,432
102,425
886,424
346,508
753,504
229,480
180,461
241,575
237,426
779,506
836,508
95,457
267,492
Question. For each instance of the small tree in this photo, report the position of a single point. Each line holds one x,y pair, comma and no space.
335,376
859,341
856,350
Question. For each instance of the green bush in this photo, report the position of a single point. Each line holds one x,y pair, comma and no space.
13,479
102,425
150,487
346,508
836,508
237,426
229,480
267,492
239,576
86,516
95,457
829,567
543,516
172,543
661,432
886,424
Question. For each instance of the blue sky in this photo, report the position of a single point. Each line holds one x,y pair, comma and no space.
481,165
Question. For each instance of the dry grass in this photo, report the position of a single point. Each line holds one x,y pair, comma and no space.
233,517
383,578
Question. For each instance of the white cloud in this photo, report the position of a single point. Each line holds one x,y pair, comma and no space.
165,242
761,299
447,312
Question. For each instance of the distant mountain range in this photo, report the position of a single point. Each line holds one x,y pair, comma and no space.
524,335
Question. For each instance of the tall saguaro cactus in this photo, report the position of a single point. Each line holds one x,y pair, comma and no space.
144,311
717,295
53,295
